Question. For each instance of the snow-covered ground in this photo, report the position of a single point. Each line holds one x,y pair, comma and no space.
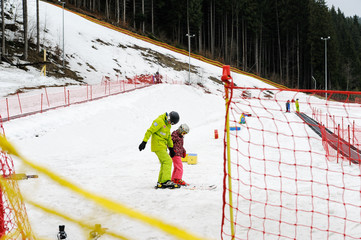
95,144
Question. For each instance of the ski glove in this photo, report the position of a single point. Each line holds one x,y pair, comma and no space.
142,146
184,154
171,152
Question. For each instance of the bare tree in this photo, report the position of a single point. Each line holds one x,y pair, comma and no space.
134,14
107,9
152,18
124,10
2,29
143,24
118,10
37,28
279,40
25,23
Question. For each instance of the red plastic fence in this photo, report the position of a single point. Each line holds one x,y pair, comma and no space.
288,180
24,104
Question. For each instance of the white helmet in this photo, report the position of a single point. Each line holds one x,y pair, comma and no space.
183,128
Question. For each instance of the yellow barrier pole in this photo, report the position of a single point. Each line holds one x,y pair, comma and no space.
43,70
45,61
226,76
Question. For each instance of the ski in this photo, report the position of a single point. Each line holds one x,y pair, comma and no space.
199,187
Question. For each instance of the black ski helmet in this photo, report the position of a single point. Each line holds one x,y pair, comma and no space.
173,117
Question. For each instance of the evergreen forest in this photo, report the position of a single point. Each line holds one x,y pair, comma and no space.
281,40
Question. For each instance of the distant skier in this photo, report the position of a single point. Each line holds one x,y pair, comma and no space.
161,139
297,106
177,137
157,78
242,119
288,106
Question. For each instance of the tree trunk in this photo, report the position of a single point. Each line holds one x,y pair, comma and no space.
260,48
134,14
124,10
232,36
2,29
200,46
287,60
256,53
118,10
107,9
37,28
152,18
244,42
25,24
298,58
225,39
237,41
279,42
212,29
143,19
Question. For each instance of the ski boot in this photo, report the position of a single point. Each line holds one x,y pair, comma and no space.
167,184
180,182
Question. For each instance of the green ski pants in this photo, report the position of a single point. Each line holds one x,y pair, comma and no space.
165,160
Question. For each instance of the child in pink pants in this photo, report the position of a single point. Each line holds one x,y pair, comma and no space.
177,137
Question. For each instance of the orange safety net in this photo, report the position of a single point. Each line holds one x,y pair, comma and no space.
294,175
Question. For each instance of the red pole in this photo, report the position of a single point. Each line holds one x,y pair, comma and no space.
343,129
68,98
7,107
338,140
353,133
41,103
47,97
19,103
326,120
65,95
349,143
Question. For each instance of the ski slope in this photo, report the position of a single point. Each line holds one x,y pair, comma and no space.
95,144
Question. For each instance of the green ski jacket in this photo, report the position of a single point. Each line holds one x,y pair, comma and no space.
160,133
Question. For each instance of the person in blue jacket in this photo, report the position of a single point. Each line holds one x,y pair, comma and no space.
161,140
288,106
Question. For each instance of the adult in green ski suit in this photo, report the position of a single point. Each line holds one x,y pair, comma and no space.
161,140
297,106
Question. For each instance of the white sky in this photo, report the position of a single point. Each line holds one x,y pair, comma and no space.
348,7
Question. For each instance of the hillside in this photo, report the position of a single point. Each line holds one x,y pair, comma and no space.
102,52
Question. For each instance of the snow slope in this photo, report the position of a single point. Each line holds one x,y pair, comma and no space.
95,144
